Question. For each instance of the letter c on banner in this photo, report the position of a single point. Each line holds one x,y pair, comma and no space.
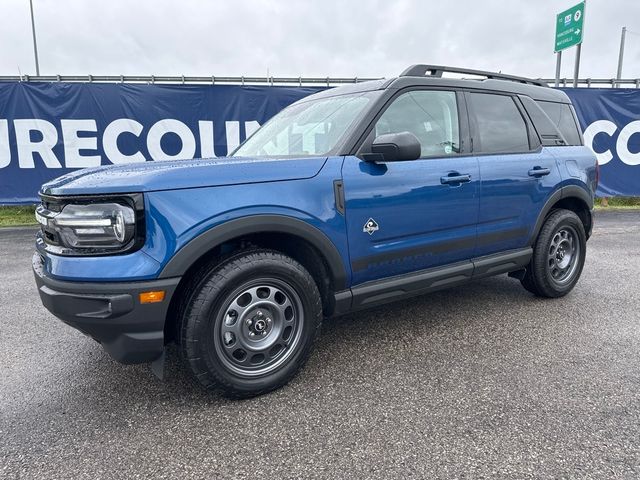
110,141
604,126
622,145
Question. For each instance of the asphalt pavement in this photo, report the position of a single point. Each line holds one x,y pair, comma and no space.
481,381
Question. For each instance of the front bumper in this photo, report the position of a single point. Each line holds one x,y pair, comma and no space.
110,312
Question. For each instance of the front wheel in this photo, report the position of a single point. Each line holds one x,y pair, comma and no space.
250,323
558,256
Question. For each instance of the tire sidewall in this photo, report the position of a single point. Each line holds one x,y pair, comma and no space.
203,322
555,222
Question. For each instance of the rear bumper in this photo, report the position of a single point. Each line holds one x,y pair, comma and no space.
110,312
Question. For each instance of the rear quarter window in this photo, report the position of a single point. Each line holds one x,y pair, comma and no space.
563,117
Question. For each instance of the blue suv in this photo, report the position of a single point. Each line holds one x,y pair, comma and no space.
347,199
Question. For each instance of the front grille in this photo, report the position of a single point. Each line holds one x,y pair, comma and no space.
49,207
54,206
48,235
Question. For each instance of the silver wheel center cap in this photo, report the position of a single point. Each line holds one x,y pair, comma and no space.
260,325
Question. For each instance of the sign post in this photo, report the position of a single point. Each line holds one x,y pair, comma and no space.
621,56
558,64
569,32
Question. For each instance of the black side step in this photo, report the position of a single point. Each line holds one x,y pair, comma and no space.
379,292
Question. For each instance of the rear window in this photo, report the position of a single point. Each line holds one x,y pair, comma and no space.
562,116
500,126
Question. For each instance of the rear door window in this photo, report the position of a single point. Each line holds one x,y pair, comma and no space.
562,116
499,125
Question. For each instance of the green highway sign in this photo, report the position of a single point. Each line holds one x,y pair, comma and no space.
569,27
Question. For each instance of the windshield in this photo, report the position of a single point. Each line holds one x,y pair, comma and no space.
305,129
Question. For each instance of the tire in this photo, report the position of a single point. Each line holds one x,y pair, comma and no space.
249,324
558,256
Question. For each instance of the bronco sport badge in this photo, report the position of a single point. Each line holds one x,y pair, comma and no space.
370,227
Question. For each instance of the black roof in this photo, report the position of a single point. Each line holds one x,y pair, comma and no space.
496,82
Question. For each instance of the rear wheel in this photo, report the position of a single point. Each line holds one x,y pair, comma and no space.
250,323
558,256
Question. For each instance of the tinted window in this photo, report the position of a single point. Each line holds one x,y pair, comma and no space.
547,130
432,116
500,126
562,116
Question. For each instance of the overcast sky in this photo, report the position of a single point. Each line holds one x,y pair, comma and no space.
364,38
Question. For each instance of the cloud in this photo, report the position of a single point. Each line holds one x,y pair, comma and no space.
313,38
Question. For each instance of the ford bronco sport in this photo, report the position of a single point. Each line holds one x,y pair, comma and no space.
350,198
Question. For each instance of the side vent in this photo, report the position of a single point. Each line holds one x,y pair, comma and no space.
338,192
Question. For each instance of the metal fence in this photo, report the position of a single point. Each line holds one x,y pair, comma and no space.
597,82
300,81
183,79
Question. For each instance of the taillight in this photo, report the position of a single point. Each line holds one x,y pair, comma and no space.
597,173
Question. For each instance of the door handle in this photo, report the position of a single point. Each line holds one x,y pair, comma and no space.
455,177
539,172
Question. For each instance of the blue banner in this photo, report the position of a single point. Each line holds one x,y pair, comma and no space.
49,129
610,121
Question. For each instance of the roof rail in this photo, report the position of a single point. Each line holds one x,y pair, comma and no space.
438,70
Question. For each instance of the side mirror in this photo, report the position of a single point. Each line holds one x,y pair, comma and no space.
395,147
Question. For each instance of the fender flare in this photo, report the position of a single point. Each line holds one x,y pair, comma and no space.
198,246
569,191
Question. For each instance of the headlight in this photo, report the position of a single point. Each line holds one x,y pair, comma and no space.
70,228
101,225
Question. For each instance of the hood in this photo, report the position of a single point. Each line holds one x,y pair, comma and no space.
178,174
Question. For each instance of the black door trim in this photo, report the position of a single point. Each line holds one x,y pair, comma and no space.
438,248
